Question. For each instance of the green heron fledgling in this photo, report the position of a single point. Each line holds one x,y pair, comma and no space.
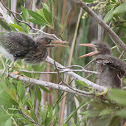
14,46
111,69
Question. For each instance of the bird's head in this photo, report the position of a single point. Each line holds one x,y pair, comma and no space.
47,41
99,49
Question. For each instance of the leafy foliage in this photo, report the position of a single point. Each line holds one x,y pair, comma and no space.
18,100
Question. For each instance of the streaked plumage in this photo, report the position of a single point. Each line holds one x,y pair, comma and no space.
111,69
15,45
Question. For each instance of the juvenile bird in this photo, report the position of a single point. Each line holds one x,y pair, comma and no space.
111,69
15,45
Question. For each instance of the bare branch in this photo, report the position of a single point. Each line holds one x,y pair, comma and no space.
28,118
75,76
77,90
62,70
4,14
102,23
47,84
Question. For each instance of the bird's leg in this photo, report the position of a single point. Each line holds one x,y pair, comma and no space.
102,93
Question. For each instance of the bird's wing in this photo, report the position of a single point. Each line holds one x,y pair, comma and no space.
20,38
112,62
16,43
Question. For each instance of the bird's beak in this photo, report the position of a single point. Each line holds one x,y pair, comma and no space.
58,43
91,53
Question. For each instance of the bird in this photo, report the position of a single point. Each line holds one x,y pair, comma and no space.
17,45
111,69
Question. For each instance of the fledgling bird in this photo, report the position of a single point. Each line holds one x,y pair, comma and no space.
15,45
111,69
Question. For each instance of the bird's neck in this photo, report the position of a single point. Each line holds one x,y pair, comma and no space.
106,53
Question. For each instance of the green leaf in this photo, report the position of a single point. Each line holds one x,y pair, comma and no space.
78,82
53,9
36,21
101,122
6,99
8,122
44,89
108,16
3,119
106,112
26,98
47,15
120,9
20,91
1,89
40,12
73,124
72,114
118,95
45,6
30,125
121,113
17,27
25,13
109,7
25,27
115,121
13,94
37,16
91,113
64,124
88,1
5,25
34,116
42,114
13,109
32,96
38,93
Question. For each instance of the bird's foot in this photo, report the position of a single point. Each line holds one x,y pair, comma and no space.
102,93
19,76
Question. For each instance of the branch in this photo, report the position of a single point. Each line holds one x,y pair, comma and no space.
4,14
75,76
47,84
62,70
77,90
9,115
102,23
28,118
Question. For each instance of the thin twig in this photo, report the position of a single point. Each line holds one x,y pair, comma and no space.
28,118
121,54
43,83
62,71
76,76
9,114
77,90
